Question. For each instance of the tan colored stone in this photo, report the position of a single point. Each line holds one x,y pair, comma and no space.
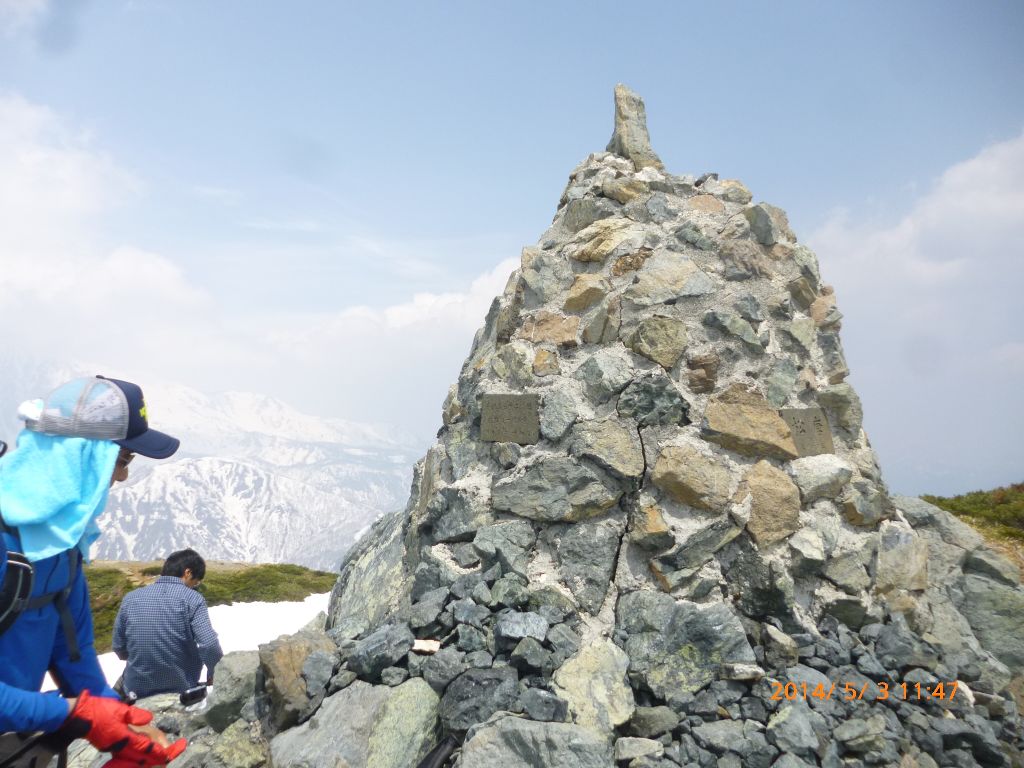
648,529
452,410
745,422
687,475
551,328
631,262
703,372
611,444
802,292
281,663
586,291
706,204
744,258
545,363
661,339
624,190
781,252
775,504
822,306
601,238
807,379
1016,690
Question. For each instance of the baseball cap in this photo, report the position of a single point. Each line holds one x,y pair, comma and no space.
101,409
15,586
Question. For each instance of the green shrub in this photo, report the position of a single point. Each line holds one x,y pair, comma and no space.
1000,511
222,586
107,587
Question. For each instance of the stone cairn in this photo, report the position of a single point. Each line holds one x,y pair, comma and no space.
652,531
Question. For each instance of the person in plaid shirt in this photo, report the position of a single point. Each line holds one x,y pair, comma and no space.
164,633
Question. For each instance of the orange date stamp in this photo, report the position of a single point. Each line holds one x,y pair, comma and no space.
854,692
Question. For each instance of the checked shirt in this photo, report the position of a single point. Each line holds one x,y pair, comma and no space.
164,633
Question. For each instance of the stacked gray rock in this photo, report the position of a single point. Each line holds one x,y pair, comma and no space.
672,573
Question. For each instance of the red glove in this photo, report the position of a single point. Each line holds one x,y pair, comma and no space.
150,757
104,723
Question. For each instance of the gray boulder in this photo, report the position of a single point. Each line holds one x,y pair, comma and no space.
505,544
594,683
586,556
604,374
476,695
364,725
995,612
678,648
373,582
514,626
653,400
555,489
511,742
380,650
235,684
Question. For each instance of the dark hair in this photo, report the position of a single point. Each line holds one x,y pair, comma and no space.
177,562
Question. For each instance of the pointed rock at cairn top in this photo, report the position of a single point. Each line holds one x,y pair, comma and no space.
630,139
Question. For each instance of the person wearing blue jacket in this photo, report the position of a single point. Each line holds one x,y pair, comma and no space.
76,444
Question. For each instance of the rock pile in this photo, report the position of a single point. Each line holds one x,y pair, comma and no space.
652,531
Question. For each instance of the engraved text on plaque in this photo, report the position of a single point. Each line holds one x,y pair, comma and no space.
510,419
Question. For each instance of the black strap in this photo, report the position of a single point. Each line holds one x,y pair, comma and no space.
60,601
31,750
67,621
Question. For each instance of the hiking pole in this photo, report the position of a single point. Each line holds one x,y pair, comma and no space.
439,754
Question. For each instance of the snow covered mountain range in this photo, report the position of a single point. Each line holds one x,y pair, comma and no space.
255,480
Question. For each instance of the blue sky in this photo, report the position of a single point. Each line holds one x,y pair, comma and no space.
349,183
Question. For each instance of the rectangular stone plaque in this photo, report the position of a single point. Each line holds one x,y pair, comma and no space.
810,428
510,419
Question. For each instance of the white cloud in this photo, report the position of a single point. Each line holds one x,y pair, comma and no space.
932,329
66,286
18,15
391,364
72,290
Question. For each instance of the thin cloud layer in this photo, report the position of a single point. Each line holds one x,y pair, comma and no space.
932,332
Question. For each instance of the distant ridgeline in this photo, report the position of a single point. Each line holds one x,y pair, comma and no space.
652,530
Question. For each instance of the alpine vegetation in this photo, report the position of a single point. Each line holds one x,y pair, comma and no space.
652,531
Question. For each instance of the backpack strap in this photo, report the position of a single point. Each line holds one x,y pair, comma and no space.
58,598
60,602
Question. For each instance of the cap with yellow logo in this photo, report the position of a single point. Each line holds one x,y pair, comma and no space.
102,409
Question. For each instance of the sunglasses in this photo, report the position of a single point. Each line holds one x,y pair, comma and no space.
124,459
